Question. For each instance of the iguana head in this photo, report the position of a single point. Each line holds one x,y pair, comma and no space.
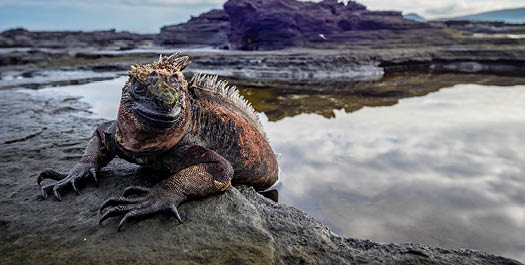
152,106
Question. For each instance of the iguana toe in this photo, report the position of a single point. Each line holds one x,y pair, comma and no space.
134,190
64,183
150,210
117,200
50,174
140,207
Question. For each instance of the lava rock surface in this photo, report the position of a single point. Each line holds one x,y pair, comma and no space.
238,226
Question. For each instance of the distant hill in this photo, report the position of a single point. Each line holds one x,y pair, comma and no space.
516,15
415,17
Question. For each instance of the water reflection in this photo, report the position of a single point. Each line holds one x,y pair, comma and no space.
279,100
102,96
445,169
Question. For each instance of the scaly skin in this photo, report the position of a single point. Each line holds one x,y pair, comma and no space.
203,138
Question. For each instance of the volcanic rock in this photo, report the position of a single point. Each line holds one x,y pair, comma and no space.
278,24
274,24
208,29
238,226
72,39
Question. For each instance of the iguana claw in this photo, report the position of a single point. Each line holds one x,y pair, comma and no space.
64,181
118,200
138,207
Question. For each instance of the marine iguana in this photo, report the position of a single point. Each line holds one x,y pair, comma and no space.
202,133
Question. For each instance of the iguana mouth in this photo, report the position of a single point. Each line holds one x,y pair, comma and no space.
154,118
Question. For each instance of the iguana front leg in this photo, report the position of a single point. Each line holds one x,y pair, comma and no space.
204,173
97,155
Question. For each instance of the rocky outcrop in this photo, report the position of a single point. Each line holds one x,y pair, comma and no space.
73,39
208,29
238,226
275,24
278,24
315,67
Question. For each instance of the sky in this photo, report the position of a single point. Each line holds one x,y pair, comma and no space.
148,16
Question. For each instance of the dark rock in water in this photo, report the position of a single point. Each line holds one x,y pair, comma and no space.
277,24
274,24
235,227
72,39
208,29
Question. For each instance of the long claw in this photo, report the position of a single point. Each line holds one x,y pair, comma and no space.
173,210
45,190
57,194
40,179
113,201
111,212
74,186
125,219
137,213
93,173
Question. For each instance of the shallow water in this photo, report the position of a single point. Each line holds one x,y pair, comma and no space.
422,161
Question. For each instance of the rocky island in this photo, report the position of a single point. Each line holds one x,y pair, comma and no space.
260,43
278,24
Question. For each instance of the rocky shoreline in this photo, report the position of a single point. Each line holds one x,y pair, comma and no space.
240,225
312,42
237,226
265,67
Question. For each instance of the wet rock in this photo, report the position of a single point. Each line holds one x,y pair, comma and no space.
238,226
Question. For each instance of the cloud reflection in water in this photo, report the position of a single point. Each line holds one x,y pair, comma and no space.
445,169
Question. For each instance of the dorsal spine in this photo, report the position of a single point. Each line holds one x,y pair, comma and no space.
211,84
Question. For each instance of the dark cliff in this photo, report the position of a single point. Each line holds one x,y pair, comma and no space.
274,24
277,24
208,29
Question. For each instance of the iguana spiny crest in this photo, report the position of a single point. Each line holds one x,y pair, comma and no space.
202,135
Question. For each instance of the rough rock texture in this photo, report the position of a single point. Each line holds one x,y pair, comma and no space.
31,68
208,29
235,227
62,39
275,24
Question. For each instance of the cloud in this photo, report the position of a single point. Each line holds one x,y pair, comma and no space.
447,10
445,169
143,16
438,8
